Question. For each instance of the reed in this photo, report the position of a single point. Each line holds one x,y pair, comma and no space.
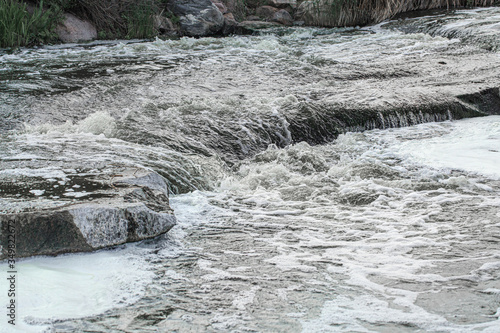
18,27
336,13
140,19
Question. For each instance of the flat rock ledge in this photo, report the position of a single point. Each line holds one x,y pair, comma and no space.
83,212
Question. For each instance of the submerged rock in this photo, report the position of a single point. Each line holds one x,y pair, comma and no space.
197,18
85,211
73,30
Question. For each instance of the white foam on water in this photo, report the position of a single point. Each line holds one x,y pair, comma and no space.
433,151
355,313
78,285
471,145
96,123
47,173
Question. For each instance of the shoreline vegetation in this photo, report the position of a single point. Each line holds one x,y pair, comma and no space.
30,23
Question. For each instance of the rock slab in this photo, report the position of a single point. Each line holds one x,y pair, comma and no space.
131,206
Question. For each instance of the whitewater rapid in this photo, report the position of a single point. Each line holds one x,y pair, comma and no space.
375,230
301,206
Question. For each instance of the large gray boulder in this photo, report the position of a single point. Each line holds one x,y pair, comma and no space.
73,30
84,212
197,18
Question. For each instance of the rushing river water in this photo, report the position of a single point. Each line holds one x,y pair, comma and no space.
323,179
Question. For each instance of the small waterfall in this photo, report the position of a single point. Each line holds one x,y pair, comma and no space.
317,124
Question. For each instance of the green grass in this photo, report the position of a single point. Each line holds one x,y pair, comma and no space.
20,28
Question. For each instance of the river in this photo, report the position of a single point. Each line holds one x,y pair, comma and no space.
324,180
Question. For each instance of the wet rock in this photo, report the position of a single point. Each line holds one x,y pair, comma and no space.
197,18
72,30
283,17
230,24
85,211
487,100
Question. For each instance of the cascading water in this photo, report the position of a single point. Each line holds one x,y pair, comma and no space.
291,218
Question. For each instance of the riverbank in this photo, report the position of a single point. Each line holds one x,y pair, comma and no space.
55,21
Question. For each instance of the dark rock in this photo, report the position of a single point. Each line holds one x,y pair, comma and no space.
100,210
487,100
283,17
197,17
73,30
230,24
266,12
